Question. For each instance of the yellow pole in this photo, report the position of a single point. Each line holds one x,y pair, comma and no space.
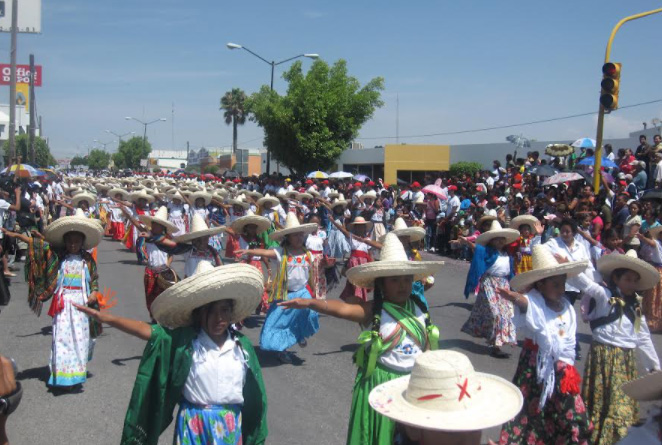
601,110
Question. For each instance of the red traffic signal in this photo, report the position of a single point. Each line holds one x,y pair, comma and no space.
611,75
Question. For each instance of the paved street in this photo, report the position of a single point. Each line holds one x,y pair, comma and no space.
308,401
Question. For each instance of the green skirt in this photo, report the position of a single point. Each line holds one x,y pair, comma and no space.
366,427
610,410
268,242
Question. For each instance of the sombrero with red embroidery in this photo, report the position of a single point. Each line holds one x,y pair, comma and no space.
445,393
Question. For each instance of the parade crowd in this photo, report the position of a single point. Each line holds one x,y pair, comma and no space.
546,253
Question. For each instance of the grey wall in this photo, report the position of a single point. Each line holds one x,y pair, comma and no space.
361,156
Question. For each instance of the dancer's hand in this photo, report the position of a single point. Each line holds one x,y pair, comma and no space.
92,313
241,252
92,298
561,259
297,303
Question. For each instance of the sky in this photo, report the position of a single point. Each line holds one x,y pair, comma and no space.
453,65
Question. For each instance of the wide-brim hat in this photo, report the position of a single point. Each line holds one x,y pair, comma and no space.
645,389
116,191
521,220
545,265
496,231
292,225
268,198
368,195
292,194
242,283
304,195
400,228
240,201
141,195
649,277
90,199
261,222
445,393
340,201
199,229
393,263
102,187
91,229
204,195
161,218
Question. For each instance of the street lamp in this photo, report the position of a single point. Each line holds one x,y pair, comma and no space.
119,136
104,144
145,124
273,64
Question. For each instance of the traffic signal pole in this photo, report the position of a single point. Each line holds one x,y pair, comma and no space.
601,110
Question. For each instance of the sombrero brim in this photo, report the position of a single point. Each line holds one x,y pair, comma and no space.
339,203
187,237
518,221
497,402
645,389
261,222
243,204
92,230
242,283
148,220
305,228
364,275
524,280
301,196
204,195
146,197
648,275
273,201
77,199
414,233
509,234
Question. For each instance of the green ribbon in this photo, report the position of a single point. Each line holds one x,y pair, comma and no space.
433,337
372,340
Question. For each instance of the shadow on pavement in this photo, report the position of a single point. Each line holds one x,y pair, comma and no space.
41,373
46,330
465,345
345,348
467,306
269,359
120,361
254,321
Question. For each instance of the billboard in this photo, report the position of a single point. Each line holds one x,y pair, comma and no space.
29,16
22,74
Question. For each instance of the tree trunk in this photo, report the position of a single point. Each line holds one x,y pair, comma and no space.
234,135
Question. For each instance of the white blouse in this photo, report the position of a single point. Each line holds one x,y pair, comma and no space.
217,375
501,267
315,241
156,258
358,245
401,358
298,269
193,258
578,252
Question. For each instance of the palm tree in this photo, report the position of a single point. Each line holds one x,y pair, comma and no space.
233,104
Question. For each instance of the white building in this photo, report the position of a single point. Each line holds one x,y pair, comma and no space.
168,159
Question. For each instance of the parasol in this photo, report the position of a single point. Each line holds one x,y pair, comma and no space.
559,150
563,177
340,175
435,190
317,175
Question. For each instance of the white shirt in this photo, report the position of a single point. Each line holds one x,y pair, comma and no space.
193,258
578,252
358,245
619,333
4,208
501,267
650,254
217,375
402,357
298,269
315,241
156,258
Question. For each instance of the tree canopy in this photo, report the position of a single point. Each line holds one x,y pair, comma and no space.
130,153
42,154
98,159
78,160
234,105
323,110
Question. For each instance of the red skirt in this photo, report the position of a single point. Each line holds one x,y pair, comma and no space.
356,259
117,230
231,246
128,243
264,305
152,288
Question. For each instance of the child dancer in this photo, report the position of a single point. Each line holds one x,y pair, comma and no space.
553,410
316,243
651,252
520,250
338,244
177,212
238,209
200,250
401,330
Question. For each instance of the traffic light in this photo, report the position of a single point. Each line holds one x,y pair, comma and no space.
611,75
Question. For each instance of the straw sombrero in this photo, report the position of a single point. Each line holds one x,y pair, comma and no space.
268,198
312,191
496,231
242,283
90,199
359,221
445,393
649,277
340,201
400,228
333,194
486,218
204,195
371,194
91,229
393,262
141,194
645,389
161,218
545,266
102,187
521,220
293,194
261,222
240,201
116,191
199,229
292,226
302,196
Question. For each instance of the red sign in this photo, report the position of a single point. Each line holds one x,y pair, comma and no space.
22,74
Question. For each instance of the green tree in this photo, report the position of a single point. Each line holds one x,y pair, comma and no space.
78,160
130,153
213,169
323,110
464,168
233,103
98,159
43,156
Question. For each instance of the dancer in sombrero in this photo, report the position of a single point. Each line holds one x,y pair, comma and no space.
61,268
270,208
195,359
530,230
117,217
401,330
200,250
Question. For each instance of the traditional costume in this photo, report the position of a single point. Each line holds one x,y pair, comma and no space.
521,248
338,244
652,302
177,212
232,242
360,254
415,234
194,256
316,245
117,217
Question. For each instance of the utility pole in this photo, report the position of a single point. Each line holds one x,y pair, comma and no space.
12,81
31,132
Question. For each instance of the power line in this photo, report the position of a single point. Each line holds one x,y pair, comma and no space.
499,127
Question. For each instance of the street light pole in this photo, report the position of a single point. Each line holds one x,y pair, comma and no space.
145,124
601,111
119,136
273,66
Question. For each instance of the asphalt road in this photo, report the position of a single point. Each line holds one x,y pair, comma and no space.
308,401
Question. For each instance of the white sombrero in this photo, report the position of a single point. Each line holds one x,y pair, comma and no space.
445,393
141,195
333,194
371,194
161,218
360,221
496,231
340,201
102,187
91,229
400,228
199,229
545,266
648,275
292,226
302,196
268,198
90,199
645,389
312,191
241,283
521,220
240,201
393,262
204,195
116,191
261,222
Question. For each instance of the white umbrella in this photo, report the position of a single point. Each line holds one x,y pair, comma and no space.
340,175
584,143
317,175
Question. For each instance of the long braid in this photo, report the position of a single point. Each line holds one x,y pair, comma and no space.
377,304
423,307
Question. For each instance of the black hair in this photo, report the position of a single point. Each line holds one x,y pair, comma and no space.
570,223
197,315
